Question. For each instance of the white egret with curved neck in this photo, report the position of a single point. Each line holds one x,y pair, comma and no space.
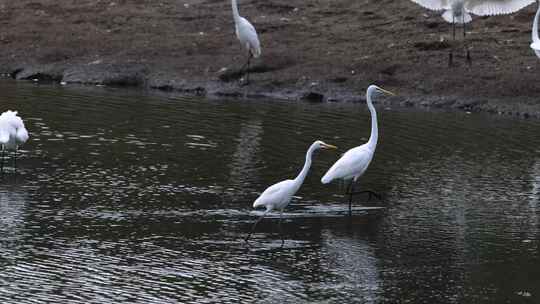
12,134
355,161
247,35
535,45
278,196
459,12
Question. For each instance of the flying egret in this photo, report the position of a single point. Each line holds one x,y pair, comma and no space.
247,35
354,162
12,134
459,12
278,196
535,45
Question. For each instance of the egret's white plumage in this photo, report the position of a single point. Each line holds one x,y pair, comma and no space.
279,195
355,161
535,45
464,8
459,12
12,132
246,34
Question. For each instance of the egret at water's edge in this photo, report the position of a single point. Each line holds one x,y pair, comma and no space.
247,35
278,196
355,161
535,45
12,134
459,12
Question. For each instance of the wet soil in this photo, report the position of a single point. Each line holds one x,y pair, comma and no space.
311,50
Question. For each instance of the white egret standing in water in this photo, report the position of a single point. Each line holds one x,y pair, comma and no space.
355,162
12,135
535,45
247,35
459,12
278,196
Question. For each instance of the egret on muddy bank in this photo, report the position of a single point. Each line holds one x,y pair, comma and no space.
459,12
535,45
355,161
278,196
247,35
12,134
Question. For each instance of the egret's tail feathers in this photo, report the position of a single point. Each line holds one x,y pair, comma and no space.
326,178
256,52
258,203
537,52
22,135
4,137
449,17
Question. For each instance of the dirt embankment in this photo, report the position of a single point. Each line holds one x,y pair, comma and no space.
317,50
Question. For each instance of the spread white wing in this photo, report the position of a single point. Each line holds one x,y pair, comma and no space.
495,7
435,5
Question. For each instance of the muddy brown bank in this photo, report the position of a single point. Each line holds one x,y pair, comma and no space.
314,50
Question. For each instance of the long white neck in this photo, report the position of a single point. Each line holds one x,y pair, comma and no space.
236,15
535,37
374,129
302,175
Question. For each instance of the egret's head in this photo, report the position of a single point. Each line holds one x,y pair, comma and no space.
322,145
378,90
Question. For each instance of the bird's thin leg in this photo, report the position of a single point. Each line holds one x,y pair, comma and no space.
15,160
469,61
280,229
2,162
350,191
451,55
247,70
255,225
241,71
371,193
453,28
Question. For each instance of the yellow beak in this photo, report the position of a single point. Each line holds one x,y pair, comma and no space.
387,92
327,146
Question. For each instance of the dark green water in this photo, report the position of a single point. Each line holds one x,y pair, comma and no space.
122,196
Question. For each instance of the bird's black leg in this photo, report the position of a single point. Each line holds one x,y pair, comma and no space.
255,225
280,229
350,191
15,160
469,61
241,70
371,193
451,54
2,162
247,70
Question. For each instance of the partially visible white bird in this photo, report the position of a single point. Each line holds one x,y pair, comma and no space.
535,45
278,196
355,162
12,134
459,11
247,35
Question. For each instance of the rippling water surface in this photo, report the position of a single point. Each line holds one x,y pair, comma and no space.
122,196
